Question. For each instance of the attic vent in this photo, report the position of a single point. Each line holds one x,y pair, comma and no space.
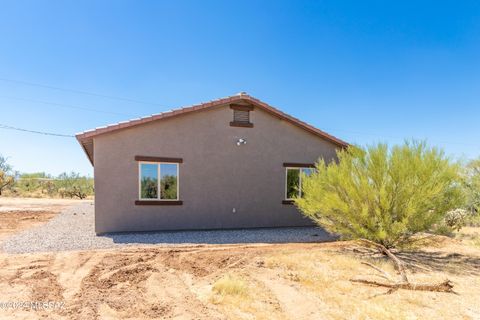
241,115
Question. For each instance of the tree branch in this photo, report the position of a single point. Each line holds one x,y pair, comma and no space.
399,265
385,274
445,286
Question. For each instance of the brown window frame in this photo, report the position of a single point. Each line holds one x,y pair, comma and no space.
158,161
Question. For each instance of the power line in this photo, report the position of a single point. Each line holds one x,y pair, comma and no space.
67,106
134,101
33,84
3,126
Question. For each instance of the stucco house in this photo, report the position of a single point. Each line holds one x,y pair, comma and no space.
234,162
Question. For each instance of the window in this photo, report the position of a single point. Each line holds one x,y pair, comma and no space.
148,181
158,181
293,185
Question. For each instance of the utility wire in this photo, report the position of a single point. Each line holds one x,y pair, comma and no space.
33,84
129,100
67,106
3,126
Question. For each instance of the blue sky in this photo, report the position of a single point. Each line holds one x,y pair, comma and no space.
365,71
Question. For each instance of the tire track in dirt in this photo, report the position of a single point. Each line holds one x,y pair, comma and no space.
114,283
178,297
202,264
138,285
294,304
72,268
42,284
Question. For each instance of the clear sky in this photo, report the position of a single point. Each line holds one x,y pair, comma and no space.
365,71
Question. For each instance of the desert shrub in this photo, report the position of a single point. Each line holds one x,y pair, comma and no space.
73,185
456,219
32,183
385,195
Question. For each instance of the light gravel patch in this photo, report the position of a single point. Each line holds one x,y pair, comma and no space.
73,229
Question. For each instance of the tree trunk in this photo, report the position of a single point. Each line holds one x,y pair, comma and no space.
445,286
399,265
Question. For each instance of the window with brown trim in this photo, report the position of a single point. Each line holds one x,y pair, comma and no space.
293,181
158,181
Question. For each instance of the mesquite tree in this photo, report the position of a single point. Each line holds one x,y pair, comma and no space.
382,195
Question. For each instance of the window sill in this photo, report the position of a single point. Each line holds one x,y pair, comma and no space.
158,202
288,202
241,124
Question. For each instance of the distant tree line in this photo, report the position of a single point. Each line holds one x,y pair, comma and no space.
40,184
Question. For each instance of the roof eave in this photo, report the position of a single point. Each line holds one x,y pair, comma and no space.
81,141
85,136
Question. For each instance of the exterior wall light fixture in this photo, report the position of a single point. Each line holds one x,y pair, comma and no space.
241,141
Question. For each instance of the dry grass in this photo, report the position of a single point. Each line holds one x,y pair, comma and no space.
243,297
469,236
325,274
230,285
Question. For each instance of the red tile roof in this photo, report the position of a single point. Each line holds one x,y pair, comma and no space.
86,138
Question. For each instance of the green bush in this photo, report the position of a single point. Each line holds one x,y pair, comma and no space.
73,185
382,194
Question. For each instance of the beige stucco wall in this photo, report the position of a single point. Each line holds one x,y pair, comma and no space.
216,175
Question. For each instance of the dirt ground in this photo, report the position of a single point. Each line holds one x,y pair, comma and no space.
284,281
17,214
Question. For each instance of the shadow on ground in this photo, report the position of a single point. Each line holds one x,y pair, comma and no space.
421,261
453,263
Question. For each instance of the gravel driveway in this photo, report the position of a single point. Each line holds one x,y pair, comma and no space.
73,229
